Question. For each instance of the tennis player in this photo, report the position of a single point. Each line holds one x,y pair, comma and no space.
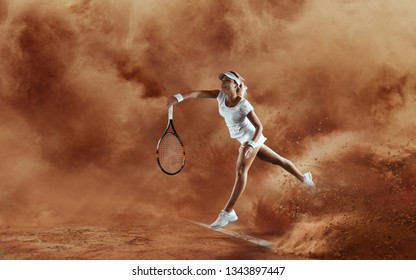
243,125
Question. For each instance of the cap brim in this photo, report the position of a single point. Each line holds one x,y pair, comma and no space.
232,77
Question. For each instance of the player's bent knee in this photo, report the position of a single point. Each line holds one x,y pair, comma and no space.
241,172
282,162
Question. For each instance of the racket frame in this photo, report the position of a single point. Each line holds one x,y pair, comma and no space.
170,125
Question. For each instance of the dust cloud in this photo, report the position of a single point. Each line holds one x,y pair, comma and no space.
83,87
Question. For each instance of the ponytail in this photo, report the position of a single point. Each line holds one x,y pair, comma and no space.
242,88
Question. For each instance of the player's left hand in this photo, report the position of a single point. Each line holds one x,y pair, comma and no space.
249,151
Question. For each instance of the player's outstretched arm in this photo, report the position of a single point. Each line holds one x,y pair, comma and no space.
175,99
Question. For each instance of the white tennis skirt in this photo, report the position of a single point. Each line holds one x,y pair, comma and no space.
248,136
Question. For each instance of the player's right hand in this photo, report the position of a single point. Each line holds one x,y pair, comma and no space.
171,101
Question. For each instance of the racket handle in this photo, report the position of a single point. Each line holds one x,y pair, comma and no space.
170,112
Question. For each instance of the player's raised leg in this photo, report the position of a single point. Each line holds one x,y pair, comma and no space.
267,154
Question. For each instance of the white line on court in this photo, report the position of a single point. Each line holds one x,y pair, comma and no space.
248,238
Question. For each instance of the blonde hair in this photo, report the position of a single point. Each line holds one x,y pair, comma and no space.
242,88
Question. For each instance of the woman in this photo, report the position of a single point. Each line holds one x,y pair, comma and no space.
243,125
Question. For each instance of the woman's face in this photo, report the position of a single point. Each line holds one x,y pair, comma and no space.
228,85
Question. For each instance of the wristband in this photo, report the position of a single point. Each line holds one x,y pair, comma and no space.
252,143
179,97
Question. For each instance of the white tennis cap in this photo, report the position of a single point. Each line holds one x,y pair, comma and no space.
230,75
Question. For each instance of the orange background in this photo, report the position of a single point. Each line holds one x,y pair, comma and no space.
83,88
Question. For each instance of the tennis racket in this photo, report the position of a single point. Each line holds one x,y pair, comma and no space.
170,152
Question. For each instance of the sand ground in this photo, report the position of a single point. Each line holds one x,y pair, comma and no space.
178,240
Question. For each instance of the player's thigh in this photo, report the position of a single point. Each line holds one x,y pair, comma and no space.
267,154
243,162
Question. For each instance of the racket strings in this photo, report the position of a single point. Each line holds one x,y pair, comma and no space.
171,153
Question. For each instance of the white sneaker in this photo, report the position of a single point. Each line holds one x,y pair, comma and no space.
224,218
307,180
